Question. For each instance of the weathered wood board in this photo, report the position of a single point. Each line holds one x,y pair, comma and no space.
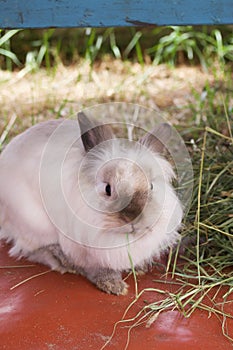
113,13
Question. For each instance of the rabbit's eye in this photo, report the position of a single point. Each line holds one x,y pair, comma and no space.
151,186
108,190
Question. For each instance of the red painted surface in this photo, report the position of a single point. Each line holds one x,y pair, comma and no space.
55,311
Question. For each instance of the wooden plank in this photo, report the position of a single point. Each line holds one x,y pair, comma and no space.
113,13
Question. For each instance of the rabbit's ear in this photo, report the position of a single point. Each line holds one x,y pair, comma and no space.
92,134
157,138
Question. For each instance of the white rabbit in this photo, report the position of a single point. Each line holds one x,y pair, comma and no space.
77,199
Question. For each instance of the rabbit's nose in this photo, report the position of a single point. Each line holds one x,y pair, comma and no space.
124,189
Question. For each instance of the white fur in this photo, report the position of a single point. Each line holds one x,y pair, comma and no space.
29,180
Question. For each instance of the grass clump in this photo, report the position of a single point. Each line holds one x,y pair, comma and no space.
205,271
204,274
174,45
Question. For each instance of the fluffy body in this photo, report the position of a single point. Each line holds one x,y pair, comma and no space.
46,213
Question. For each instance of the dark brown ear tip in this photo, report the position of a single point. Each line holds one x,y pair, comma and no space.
165,129
165,126
158,138
81,115
82,118
84,122
162,130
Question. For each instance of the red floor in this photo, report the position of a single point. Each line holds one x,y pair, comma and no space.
55,311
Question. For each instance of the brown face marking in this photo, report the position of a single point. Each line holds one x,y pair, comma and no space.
139,198
130,190
135,207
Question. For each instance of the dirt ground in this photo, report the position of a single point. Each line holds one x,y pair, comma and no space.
31,97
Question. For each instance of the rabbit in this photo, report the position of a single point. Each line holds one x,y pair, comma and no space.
78,199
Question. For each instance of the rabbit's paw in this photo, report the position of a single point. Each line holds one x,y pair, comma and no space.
117,287
108,280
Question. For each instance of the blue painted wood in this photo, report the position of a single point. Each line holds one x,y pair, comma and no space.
112,13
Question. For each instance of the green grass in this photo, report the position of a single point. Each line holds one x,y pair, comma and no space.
186,43
7,56
173,45
205,272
